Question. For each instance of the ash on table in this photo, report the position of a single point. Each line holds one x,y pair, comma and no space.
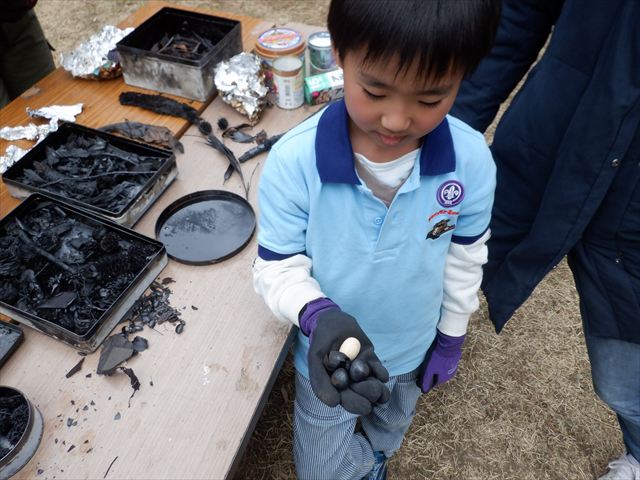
153,308
91,170
185,44
64,268
150,309
14,416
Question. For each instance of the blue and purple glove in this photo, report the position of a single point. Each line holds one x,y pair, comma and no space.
441,362
327,327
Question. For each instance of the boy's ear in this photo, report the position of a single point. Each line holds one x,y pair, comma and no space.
336,56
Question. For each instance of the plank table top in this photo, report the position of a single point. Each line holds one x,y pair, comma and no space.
201,391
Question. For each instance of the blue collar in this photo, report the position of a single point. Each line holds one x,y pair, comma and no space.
334,153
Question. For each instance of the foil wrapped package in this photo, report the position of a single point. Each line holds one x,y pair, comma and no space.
11,156
29,132
64,113
91,58
54,113
240,83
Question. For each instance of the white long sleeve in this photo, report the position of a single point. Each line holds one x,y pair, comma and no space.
286,285
462,278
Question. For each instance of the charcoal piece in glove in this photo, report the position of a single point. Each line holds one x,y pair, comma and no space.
328,327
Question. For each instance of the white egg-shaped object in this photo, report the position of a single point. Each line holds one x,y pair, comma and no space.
350,347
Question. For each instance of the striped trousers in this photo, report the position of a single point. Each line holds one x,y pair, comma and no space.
326,444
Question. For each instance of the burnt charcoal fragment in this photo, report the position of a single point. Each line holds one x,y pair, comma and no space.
223,123
115,350
75,369
359,370
8,292
91,170
340,379
140,344
186,44
135,383
334,360
153,309
153,134
59,300
165,106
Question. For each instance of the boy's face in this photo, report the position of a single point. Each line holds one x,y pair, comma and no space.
390,112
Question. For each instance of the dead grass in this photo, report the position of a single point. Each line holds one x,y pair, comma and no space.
522,406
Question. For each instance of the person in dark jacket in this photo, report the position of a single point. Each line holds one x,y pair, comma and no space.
568,156
25,55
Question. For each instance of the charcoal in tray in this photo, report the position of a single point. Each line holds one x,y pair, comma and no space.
186,43
115,177
93,171
66,266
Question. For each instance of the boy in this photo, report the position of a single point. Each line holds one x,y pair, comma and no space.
379,206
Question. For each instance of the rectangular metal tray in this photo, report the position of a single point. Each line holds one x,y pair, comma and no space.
135,208
120,309
170,74
11,337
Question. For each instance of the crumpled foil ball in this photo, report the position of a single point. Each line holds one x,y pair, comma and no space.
91,58
240,83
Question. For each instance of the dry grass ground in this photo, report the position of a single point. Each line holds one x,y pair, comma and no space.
522,406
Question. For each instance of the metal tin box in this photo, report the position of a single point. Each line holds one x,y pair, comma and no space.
171,74
130,213
147,267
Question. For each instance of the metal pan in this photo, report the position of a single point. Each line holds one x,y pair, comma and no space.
206,227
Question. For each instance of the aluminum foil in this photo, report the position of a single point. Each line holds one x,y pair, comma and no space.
54,113
29,132
65,113
11,156
90,59
240,83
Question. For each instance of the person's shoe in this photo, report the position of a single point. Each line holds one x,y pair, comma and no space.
379,470
624,468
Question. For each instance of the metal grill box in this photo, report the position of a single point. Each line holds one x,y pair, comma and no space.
35,299
128,214
173,74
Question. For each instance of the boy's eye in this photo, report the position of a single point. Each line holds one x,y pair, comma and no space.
431,104
372,95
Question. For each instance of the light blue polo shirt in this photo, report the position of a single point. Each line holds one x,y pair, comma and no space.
383,266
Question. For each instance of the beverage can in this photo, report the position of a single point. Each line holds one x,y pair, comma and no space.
288,81
320,52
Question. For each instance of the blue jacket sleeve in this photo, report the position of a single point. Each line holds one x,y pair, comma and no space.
522,32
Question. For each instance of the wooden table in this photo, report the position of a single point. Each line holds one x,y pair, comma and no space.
202,391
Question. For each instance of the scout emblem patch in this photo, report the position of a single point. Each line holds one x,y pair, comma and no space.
450,193
439,228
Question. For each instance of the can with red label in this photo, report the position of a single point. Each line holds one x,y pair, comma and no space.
277,43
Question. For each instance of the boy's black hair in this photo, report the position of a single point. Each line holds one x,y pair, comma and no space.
442,35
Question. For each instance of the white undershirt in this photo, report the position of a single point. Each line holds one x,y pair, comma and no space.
391,174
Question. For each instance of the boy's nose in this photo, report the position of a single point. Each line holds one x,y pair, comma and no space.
395,122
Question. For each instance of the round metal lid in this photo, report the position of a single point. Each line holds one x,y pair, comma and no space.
206,227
